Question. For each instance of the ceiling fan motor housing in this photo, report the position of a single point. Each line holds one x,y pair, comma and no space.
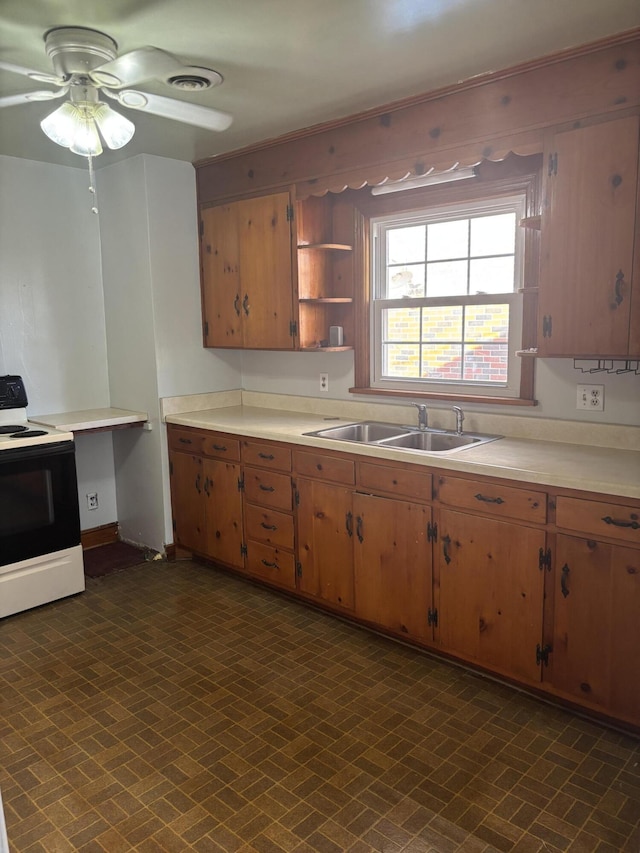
78,50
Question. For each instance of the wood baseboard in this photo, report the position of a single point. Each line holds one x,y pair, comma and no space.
103,535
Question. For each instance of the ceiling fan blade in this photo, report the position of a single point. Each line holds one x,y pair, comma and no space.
134,67
194,114
26,97
30,72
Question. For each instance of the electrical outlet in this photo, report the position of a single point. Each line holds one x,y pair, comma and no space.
324,383
590,397
92,500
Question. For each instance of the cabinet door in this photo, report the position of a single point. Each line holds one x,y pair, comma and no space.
597,624
393,578
220,270
266,281
223,502
588,240
187,504
325,541
490,592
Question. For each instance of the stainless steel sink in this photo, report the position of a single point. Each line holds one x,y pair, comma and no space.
403,437
366,432
435,442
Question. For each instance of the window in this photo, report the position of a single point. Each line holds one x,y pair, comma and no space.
446,312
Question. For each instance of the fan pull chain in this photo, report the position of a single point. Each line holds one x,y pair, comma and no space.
92,184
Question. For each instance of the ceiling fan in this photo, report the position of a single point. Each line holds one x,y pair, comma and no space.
86,65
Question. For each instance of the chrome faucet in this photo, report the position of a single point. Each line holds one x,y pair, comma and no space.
422,415
459,419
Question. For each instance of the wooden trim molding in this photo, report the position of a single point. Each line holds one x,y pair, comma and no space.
103,535
482,118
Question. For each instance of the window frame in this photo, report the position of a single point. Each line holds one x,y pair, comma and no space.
514,298
495,180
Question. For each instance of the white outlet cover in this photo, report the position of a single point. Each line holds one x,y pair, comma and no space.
590,397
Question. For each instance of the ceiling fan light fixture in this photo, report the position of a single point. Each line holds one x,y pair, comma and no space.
61,124
115,129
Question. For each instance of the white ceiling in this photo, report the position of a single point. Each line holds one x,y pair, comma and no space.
289,64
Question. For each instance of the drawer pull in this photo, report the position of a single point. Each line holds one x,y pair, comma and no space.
220,447
634,525
564,574
268,526
348,523
266,456
487,500
359,523
236,304
185,440
267,488
270,565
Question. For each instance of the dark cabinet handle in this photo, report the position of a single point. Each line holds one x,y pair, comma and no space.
185,441
236,304
220,447
480,497
359,525
266,456
348,523
616,522
267,488
207,485
268,526
564,575
446,544
270,565
198,489
618,288
245,304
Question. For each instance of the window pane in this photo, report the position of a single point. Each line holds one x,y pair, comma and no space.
447,240
442,323
447,278
486,363
442,362
405,245
492,275
493,235
486,323
401,360
405,281
401,324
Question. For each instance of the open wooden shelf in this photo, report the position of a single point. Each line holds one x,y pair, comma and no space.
325,300
534,222
325,349
338,247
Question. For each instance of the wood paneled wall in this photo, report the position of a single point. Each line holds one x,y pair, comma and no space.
485,117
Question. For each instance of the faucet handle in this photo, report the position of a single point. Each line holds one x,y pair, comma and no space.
459,418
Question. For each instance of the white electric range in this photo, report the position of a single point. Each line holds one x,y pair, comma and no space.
40,550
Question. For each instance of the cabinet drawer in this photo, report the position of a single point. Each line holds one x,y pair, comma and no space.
267,488
186,439
492,499
271,564
599,518
220,446
269,526
320,467
266,455
394,481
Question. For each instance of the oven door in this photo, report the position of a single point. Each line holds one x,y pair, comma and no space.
39,511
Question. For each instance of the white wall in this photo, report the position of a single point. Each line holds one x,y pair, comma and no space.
555,387
152,299
52,322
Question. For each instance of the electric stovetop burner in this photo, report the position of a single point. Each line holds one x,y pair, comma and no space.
30,433
13,428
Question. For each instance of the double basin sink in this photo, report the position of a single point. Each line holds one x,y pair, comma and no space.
403,437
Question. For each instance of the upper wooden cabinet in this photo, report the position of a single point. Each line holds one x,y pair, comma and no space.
585,305
247,274
277,275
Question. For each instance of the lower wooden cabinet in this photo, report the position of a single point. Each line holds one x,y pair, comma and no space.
393,583
596,625
489,579
541,586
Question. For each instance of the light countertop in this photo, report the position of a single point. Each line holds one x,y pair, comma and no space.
91,419
573,466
